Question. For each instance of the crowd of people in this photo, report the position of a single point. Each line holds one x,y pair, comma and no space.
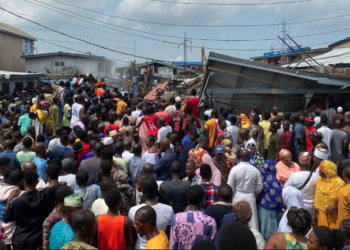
86,167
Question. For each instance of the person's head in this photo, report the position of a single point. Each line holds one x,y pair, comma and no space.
274,111
338,124
295,118
325,238
106,167
195,195
149,187
113,199
17,137
206,173
29,166
5,162
344,226
145,220
255,119
178,105
77,148
85,119
56,100
214,114
324,119
83,136
236,236
175,168
64,139
225,193
137,149
52,172
243,211
6,174
119,147
84,224
164,145
266,116
61,193
107,154
71,204
16,178
190,169
318,112
40,138
31,131
82,178
244,134
245,155
193,92
31,179
286,156
148,169
299,220
40,149
274,126
346,174
99,146
59,131
106,185
67,165
222,124
328,169
339,110
286,126
204,142
9,145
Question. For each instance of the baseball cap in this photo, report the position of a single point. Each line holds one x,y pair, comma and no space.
316,134
275,124
309,118
219,149
95,99
107,141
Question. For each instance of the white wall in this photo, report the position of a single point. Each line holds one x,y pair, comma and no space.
80,64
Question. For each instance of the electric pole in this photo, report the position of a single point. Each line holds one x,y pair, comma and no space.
185,50
284,35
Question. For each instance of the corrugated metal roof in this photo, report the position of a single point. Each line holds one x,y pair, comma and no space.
14,75
161,63
335,56
15,31
60,53
188,63
230,72
291,54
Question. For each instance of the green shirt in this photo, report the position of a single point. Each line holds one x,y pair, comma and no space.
66,113
24,121
274,146
23,157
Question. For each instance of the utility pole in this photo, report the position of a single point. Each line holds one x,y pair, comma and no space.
284,33
185,50
135,52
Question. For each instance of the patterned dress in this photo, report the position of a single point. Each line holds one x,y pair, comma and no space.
196,155
51,220
125,189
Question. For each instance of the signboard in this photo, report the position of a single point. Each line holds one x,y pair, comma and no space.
28,47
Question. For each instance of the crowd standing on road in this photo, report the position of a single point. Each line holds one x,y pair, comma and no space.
87,167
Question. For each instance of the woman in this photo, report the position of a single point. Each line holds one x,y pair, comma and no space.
216,174
299,220
325,238
258,158
151,156
292,197
223,163
326,196
344,226
270,201
285,167
125,189
242,212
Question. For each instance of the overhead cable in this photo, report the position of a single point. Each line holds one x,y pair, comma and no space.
232,4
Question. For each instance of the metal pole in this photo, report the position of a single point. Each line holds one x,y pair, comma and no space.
185,52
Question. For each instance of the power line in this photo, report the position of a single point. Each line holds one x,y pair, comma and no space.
232,4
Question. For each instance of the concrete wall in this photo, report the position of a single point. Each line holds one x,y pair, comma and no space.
71,66
11,48
343,45
12,83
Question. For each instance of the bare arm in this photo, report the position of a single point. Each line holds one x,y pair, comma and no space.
344,150
128,232
139,125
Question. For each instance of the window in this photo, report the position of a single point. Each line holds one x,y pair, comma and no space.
62,64
175,72
155,70
193,68
19,85
57,64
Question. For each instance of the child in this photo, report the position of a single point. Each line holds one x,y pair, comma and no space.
286,137
274,145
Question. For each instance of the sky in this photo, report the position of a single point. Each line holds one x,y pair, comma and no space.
98,24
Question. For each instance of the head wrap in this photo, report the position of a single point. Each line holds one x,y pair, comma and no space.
321,151
243,210
35,100
305,158
329,168
178,99
226,143
107,141
283,153
245,123
74,200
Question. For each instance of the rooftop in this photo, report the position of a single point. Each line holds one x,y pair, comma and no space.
19,75
293,54
163,64
60,53
5,28
187,63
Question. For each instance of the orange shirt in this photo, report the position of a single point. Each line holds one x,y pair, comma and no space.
121,107
99,92
111,232
210,127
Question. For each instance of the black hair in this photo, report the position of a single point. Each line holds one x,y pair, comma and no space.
137,149
119,146
27,142
178,105
150,109
64,139
53,171
8,171
267,115
346,225
172,100
214,113
4,161
188,110
236,236
224,113
57,162
82,177
299,220
332,239
205,171
233,119
206,117
16,176
107,154
106,167
324,119
30,177
147,214
256,118
82,135
40,138
176,167
149,187
151,138
225,192
194,92
203,245
346,171
81,218
62,192
112,198
111,119
195,194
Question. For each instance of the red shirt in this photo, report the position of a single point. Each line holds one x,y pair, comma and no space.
286,141
114,127
165,115
86,149
152,125
308,142
193,102
218,142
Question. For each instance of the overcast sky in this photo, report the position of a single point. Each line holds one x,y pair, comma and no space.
145,10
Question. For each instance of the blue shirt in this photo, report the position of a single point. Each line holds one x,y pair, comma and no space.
185,140
60,234
163,165
87,156
3,119
12,155
298,132
89,194
41,167
47,140
58,152
135,166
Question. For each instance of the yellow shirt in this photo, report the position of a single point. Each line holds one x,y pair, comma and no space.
343,204
266,125
33,108
158,242
121,107
210,127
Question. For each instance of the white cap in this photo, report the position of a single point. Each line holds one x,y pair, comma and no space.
339,109
35,100
178,99
107,141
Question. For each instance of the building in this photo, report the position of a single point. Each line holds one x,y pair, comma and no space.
164,69
9,81
63,64
196,66
14,43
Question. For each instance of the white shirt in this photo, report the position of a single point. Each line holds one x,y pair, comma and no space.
53,143
317,120
165,216
127,155
234,132
70,179
75,114
170,109
163,132
99,207
208,113
136,113
327,136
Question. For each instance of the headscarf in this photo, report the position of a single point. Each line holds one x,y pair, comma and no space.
243,210
74,200
321,151
292,197
271,195
327,187
283,153
216,174
245,123
258,158
305,158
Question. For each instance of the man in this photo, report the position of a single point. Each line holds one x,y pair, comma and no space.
24,121
77,110
138,110
176,189
34,207
298,137
223,207
325,131
111,124
40,161
92,165
211,190
171,108
135,165
233,129
274,142
65,174
17,139
31,129
95,118
165,214
346,129
27,154
121,106
55,114
90,193
100,90
132,119
193,102
210,128
338,115
317,116
84,138
145,225
127,155
310,128
274,114
67,93
5,163
259,133
56,141
84,228
161,113
207,110
59,151
164,129
197,153
162,167
127,131
8,152
118,159
99,206
33,107
191,176
114,230
265,124
177,118
83,122
45,104
73,156
338,142
48,132
343,197
92,108
246,181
